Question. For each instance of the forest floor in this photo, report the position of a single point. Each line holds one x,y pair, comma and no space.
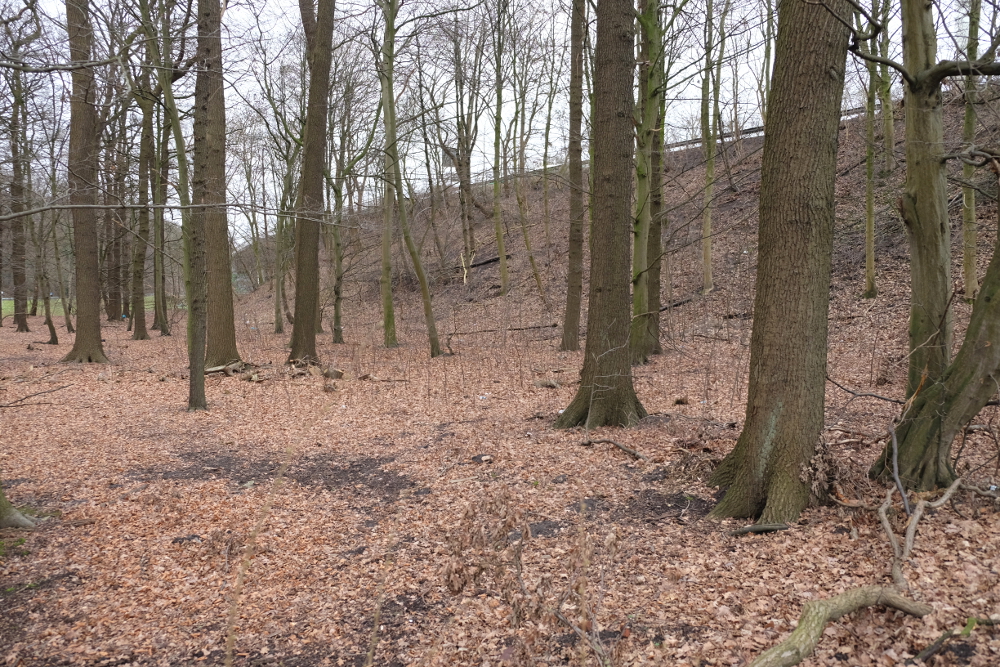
315,521
365,497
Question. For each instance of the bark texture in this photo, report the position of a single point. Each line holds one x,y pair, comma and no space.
10,517
788,345
82,176
319,36
574,271
221,337
939,410
606,396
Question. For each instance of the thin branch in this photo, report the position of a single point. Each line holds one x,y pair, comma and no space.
627,450
859,394
20,402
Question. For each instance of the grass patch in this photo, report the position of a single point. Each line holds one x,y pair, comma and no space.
12,549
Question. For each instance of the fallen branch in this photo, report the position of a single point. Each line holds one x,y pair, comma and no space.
758,528
817,613
627,450
19,403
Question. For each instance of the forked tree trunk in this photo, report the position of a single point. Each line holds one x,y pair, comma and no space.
941,409
606,396
82,166
784,416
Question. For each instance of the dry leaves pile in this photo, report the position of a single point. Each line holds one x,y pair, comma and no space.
435,496
425,512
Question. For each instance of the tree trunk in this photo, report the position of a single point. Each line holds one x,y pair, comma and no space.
221,328
160,171
310,208
10,517
642,336
969,139
18,250
394,167
499,40
925,204
784,417
82,167
606,396
574,270
941,409
146,150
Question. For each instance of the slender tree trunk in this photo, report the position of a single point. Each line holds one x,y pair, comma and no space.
871,290
642,336
146,151
394,171
574,270
606,396
161,173
925,205
885,91
784,416
18,251
499,27
82,177
969,138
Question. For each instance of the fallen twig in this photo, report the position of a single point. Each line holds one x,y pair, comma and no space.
19,403
627,450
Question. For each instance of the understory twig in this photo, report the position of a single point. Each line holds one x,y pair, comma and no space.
862,394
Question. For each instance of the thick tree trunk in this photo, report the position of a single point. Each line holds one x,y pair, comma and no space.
784,415
606,396
221,328
574,270
319,34
82,178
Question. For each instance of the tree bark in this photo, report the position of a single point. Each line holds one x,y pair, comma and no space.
784,414
82,167
10,517
310,208
574,270
221,328
606,396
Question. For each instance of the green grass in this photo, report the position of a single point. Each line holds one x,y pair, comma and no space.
56,305
12,548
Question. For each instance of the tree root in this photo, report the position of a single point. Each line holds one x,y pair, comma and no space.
817,613
11,518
